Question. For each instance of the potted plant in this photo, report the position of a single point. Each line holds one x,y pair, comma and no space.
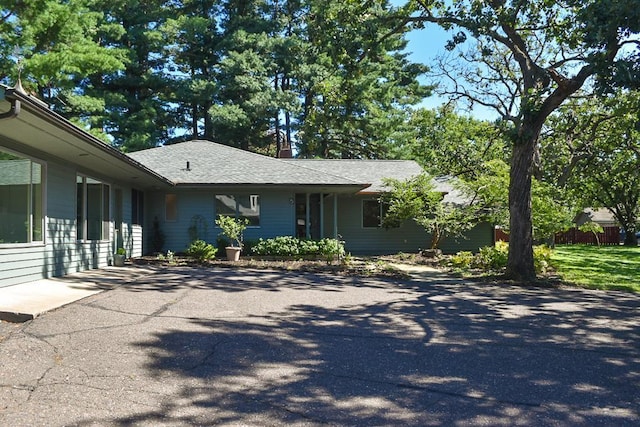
118,258
233,229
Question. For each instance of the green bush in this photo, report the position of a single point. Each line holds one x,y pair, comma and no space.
330,249
462,260
542,258
201,251
278,246
494,258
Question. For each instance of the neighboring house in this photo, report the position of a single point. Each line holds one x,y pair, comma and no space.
68,200
601,216
294,197
610,229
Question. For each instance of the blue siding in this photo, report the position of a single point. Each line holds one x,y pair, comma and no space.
409,237
277,219
62,253
276,215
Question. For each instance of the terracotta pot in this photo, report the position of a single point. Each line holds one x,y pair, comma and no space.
233,253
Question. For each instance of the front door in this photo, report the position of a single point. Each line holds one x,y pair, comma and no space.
308,216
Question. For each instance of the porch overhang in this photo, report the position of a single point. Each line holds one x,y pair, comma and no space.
32,128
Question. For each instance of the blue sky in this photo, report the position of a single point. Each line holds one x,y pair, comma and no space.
424,45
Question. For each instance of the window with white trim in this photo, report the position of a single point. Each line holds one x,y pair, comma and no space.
92,209
239,206
21,199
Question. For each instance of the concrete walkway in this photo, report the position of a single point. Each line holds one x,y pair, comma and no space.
26,301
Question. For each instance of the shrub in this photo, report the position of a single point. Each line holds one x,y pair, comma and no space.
201,251
541,258
462,260
492,257
278,246
330,249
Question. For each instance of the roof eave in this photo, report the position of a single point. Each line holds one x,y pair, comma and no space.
41,110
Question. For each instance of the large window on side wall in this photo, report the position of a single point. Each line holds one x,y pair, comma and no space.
373,211
239,206
21,198
92,219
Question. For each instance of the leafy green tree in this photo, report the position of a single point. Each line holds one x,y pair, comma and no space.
552,209
592,227
418,199
446,143
527,59
594,151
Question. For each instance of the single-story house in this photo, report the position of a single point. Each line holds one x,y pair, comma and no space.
69,200
603,217
284,197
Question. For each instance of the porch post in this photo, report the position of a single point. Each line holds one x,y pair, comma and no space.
321,215
307,218
335,215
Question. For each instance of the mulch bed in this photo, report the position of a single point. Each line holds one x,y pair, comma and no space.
367,267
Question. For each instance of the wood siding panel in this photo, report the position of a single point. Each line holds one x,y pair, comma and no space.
61,254
409,237
276,216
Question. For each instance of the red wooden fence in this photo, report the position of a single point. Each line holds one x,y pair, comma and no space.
610,236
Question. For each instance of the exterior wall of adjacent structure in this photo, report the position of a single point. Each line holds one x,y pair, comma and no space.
409,237
197,207
59,252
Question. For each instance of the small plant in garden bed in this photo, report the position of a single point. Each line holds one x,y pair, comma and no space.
201,251
169,257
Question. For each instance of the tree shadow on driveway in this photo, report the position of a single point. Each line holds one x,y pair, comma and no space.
416,353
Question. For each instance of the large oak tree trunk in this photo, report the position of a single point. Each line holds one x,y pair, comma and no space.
520,263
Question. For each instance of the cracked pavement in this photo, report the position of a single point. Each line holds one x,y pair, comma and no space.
189,346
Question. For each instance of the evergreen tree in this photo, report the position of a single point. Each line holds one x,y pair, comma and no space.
193,54
137,99
357,82
57,48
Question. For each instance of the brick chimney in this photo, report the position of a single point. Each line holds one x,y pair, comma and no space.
285,150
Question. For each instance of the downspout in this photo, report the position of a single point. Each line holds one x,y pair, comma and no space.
15,107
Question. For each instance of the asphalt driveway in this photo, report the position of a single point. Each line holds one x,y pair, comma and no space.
187,346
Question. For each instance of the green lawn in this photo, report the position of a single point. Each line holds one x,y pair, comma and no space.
604,267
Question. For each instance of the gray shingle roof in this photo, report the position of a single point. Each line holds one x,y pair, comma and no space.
212,163
370,171
375,171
